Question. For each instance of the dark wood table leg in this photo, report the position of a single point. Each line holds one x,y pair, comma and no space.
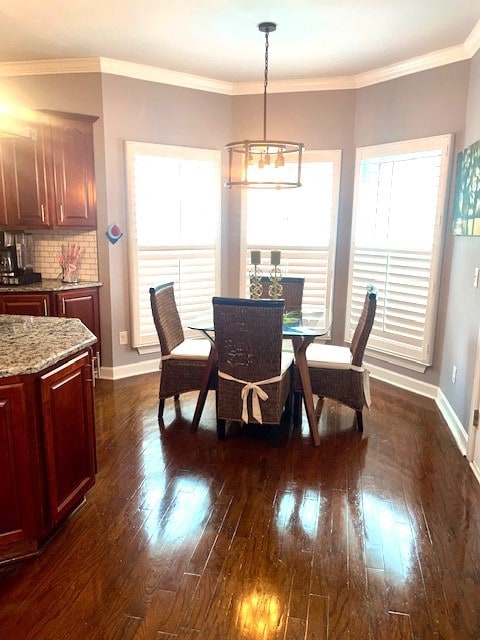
202,394
300,345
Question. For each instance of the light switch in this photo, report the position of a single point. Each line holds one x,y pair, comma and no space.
475,277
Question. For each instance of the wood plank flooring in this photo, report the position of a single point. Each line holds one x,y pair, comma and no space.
369,536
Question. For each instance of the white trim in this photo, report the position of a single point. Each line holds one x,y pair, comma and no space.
456,427
475,404
476,471
401,381
129,370
417,64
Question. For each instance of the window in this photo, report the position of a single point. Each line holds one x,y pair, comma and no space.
173,230
302,223
399,204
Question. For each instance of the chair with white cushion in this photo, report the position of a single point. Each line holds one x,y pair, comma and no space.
183,360
337,372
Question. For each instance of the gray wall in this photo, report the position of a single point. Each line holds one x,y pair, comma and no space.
146,112
462,313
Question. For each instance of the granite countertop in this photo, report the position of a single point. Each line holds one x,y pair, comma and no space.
30,344
47,284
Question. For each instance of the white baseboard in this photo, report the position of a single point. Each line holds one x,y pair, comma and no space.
403,382
129,370
476,471
430,391
456,427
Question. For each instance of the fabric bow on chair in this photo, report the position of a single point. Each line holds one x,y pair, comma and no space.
248,341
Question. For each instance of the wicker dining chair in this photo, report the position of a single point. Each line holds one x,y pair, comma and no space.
253,373
183,360
292,291
337,372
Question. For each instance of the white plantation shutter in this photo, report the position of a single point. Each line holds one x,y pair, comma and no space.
173,215
400,199
302,223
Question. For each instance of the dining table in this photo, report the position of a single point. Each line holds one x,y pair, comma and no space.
302,329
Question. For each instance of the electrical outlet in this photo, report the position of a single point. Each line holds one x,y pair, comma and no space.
123,337
454,374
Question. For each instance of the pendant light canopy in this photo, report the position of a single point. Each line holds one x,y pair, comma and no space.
264,163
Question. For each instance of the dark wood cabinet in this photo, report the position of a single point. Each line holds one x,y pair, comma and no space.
25,304
25,177
17,522
83,304
47,451
47,178
74,175
69,435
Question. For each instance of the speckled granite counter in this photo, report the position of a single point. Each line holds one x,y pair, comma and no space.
29,344
47,284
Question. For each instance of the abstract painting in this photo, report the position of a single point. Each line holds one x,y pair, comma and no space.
466,208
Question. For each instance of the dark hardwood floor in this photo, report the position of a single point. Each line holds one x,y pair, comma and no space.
369,536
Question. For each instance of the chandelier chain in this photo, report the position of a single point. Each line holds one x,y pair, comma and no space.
265,83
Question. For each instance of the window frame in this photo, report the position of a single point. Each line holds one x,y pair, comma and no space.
131,149
380,346
325,155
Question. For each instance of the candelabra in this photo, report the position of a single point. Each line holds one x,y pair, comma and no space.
275,289
256,288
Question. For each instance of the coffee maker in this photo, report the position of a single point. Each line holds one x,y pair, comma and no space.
16,258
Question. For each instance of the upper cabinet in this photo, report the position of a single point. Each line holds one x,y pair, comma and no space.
47,177
74,176
24,176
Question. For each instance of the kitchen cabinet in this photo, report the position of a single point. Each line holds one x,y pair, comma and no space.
73,169
75,302
47,429
17,495
83,304
47,179
24,304
69,435
24,176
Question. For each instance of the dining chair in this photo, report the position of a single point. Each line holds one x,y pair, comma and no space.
183,360
254,373
292,291
337,372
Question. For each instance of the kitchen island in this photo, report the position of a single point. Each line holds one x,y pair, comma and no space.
53,297
47,427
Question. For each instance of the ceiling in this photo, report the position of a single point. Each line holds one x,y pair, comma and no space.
219,39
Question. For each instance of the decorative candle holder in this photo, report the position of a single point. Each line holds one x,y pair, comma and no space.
275,289
256,289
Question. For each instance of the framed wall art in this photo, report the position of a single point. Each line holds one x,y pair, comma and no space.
466,207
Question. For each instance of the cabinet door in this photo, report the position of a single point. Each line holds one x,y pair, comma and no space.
24,175
16,499
73,162
83,304
30,304
69,430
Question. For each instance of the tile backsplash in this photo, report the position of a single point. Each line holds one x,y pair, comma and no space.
48,244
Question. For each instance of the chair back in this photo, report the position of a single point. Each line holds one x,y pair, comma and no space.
248,337
364,326
166,317
292,291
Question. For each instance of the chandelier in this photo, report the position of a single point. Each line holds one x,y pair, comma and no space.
264,163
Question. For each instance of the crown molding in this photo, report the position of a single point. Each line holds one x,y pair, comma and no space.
50,67
166,76
472,43
414,65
